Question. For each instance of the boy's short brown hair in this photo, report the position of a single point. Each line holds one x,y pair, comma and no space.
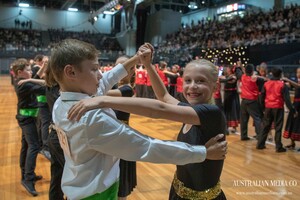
19,64
70,52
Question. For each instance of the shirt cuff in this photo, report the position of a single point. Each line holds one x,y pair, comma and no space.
200,153
122,72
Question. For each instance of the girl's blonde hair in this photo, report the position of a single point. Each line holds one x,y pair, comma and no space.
212,68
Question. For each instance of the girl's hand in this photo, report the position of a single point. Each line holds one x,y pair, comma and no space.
84,105
145,54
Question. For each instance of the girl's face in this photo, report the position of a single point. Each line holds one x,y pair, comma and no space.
25,73
263,72
198,84
228,71
174,69
298,73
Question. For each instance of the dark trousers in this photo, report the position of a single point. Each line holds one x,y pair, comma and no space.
180,97
150,92
250,108
140,91
276,115
29,150
172,90
44,119
57,166
219,103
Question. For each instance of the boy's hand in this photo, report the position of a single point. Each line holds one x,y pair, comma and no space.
216,150
84,105
151,48
145,54
23,81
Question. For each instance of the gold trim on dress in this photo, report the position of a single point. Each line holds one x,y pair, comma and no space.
188,193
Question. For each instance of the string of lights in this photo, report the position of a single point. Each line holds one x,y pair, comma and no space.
227,56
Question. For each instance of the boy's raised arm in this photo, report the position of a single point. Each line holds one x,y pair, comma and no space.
130,63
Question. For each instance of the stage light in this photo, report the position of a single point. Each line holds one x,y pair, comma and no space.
25,5
108,12
193,5
73,9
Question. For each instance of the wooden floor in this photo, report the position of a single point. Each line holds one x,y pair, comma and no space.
248,173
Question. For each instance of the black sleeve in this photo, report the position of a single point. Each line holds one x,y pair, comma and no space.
171,75
126,91
34,69
226,79
211,118
34,88
209,115
36,76
238,73
115,86
262,99
260,83
287,99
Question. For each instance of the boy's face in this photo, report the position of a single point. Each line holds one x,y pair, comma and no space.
25,73
88,76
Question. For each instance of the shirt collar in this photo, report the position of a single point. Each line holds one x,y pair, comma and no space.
73,96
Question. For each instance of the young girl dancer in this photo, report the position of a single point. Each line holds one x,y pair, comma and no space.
292,128
231,99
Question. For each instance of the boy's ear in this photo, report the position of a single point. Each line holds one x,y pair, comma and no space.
19,72
69,71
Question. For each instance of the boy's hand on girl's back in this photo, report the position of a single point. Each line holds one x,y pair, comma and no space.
216,149
23,81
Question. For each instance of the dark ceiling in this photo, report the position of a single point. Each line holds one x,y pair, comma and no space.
82,5
93,5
